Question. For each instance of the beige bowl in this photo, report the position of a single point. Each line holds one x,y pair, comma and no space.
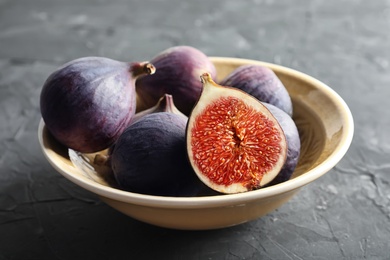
326,127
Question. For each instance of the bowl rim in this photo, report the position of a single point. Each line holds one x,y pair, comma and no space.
227,199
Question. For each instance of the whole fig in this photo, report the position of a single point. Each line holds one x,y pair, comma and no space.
164,104
177,73
150,157
293,143
88,102
262,83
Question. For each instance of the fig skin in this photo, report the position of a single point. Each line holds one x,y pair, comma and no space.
165,104
88,102
293,144
177,73
262,83
150,157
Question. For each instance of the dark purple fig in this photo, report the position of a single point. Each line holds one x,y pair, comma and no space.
177,73
293,143
165,104
150,157
262,83
88,102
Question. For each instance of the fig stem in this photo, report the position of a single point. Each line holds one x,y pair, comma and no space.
168,102
205,77
101,160
142,69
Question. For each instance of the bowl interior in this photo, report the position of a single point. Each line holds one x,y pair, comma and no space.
323,119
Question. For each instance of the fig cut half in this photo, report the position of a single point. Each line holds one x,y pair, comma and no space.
234,143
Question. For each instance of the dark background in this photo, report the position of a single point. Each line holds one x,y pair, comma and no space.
346,44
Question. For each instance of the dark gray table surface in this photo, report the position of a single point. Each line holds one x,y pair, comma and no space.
346,44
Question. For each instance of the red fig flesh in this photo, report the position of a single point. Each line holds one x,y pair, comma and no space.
234,143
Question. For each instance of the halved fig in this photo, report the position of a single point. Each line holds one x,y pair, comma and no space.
234,143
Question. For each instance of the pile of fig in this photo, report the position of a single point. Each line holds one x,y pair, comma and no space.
166,127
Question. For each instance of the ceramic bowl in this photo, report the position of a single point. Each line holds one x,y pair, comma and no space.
326,128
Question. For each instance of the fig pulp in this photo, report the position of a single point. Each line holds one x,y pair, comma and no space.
177,73
262,83
150,157
234,143
293,143
87,103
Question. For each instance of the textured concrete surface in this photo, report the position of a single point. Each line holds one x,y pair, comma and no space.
343,215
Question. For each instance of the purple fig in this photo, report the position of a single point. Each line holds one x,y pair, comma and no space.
164,104
150,157
177,73
262,83
88,102
293,143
